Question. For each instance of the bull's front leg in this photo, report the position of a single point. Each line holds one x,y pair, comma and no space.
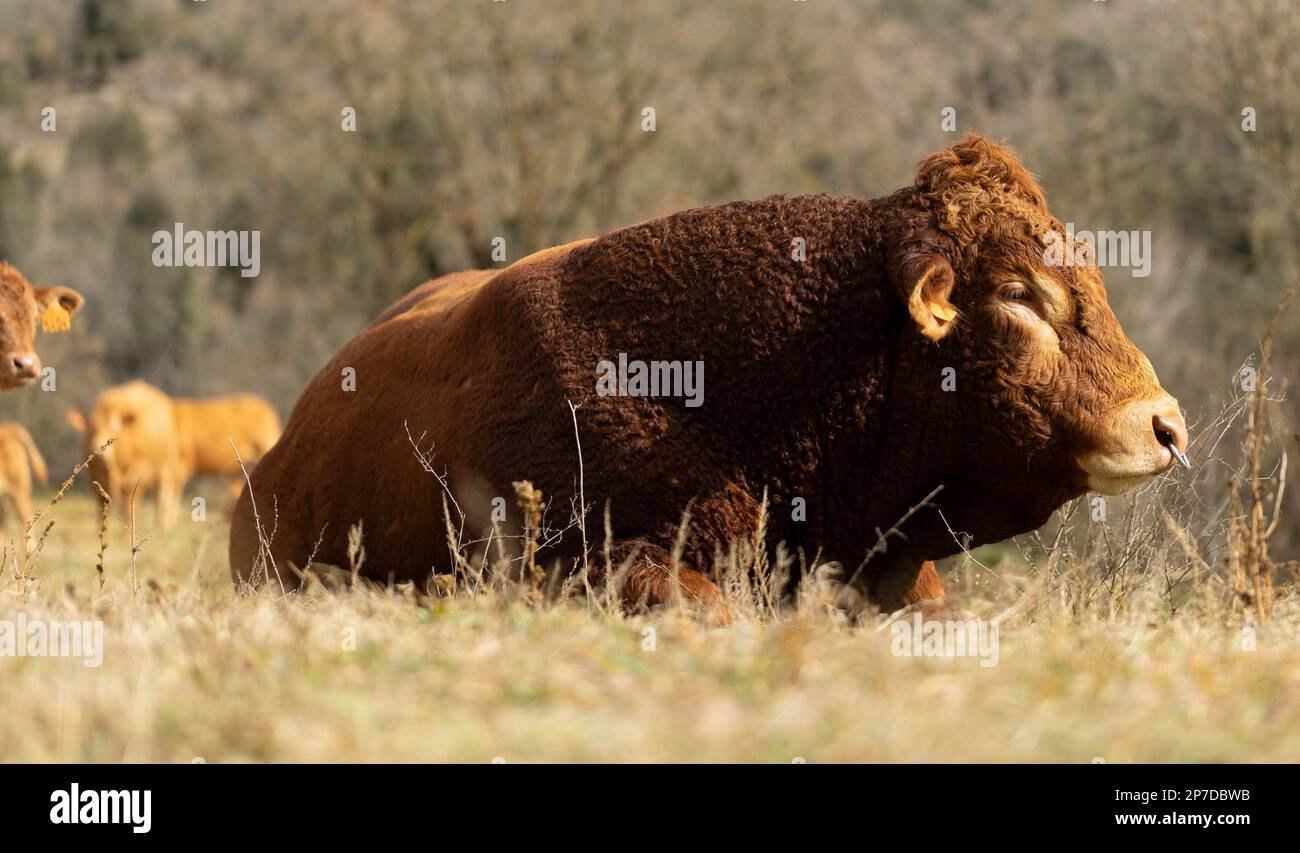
643,575
903,583
650,577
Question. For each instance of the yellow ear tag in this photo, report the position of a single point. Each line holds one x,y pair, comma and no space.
945,313
56,318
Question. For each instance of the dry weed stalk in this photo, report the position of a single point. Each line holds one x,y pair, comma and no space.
581,510
264,564
1248,561
137,544
356,552
104,501
32,557
530,503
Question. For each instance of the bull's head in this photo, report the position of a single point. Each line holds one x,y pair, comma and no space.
1054,389
21,305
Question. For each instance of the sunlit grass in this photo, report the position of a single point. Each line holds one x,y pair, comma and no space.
193,671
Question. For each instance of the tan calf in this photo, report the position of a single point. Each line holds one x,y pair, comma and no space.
145,453
207,426
19,461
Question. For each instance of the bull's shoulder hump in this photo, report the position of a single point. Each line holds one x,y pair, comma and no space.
436,294
453,292
437,299
553,253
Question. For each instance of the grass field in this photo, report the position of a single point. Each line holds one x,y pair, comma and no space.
192,671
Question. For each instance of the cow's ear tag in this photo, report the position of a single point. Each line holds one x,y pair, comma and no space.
56,318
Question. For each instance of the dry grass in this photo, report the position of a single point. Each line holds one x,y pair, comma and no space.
192,670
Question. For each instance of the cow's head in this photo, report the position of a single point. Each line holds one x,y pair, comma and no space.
113,416
1050,389
21,306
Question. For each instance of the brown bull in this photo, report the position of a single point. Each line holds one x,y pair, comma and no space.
161,442
859,354
21,306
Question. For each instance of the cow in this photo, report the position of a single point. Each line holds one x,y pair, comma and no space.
206,426
20,460
144,458
161,442
21,305
860,353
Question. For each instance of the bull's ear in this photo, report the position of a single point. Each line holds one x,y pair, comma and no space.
925,283
76,419
57,305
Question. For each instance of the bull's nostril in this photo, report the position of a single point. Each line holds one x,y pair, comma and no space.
1168,435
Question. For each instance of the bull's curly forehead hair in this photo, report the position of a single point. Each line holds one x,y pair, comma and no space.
976,185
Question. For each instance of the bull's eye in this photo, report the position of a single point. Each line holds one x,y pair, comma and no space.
1016,292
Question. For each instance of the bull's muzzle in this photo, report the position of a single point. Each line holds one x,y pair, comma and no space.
1138,440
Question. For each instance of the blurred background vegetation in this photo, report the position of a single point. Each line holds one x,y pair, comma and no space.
523,119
